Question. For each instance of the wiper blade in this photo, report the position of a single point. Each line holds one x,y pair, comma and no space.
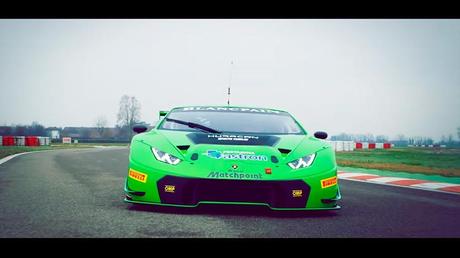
193,125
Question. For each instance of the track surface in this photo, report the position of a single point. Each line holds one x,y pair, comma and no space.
78,193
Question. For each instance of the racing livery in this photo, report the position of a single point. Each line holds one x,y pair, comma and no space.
231,155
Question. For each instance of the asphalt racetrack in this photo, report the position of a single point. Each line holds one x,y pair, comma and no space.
79,193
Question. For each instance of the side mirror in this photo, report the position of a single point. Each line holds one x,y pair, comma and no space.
320,135
139,128
162,113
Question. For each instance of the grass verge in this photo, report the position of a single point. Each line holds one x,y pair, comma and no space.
444,162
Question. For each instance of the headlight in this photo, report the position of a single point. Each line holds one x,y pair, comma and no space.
165,157
302,162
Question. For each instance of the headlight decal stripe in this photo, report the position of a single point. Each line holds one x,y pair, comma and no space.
303,162
165,157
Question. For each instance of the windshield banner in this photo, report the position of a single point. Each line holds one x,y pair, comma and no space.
233,139
234,109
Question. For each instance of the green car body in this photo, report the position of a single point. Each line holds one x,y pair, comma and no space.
242,168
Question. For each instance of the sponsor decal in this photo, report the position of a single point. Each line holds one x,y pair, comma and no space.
235,155
234,175
268,171
234,109
328,182
170,188
296,193
138,176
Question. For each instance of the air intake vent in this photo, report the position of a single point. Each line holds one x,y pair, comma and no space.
284,151
183,147
194,156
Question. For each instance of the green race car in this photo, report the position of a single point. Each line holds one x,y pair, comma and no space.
231,155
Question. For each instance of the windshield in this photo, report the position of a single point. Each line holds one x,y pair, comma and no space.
233,121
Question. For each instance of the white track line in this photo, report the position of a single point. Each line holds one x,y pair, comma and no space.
7,158
352,174
386,179
433,185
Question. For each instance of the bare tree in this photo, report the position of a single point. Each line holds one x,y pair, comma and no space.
381,138
443,139
400,137
129,113
101,123
370,137
450,139
458,133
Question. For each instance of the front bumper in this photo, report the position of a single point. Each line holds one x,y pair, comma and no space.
191,192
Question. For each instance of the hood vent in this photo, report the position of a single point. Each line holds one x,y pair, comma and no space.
183,147
284,151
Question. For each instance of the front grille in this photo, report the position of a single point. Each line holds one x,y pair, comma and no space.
190,191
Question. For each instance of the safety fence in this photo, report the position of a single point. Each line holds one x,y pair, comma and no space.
24,141
351,145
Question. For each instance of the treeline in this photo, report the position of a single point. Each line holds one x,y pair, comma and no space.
83,134
359,137
400,139
35,129
421,141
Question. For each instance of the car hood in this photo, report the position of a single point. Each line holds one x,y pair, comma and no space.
185,143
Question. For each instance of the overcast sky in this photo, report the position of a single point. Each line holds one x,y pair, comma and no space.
354,76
